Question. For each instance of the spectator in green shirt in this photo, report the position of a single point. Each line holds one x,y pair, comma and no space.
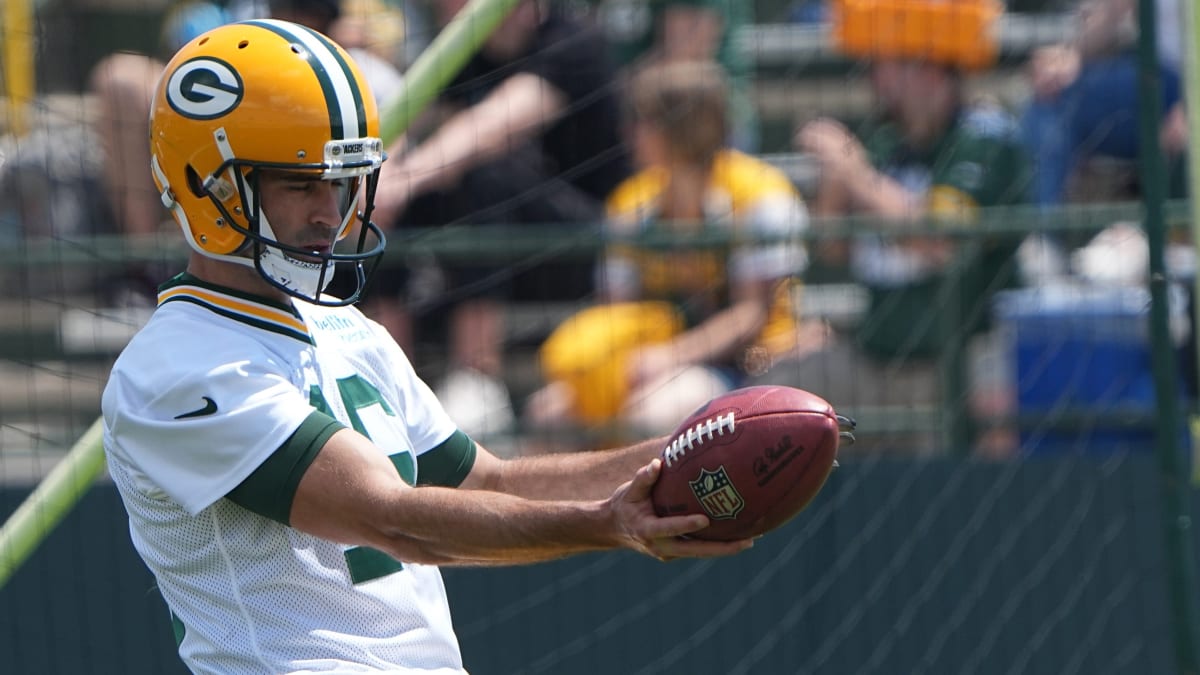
930,155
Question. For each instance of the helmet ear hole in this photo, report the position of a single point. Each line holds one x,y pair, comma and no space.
217,187
194,183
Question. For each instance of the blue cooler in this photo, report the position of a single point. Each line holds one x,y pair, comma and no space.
1084,381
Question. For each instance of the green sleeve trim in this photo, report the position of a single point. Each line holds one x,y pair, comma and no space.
177,628
269,491
448,464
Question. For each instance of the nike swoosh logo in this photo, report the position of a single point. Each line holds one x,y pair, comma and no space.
210,407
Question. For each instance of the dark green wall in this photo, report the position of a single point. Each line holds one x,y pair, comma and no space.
1047,566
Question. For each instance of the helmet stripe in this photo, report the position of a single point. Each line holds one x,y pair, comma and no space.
347,118
355,91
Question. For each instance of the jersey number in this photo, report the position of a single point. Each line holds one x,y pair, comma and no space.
366,407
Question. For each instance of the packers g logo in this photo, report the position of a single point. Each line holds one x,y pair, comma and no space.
204,88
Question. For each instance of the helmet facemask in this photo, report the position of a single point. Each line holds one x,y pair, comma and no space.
302,273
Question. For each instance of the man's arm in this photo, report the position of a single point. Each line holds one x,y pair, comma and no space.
568,476
352,494
1102,27
847,172
716,337
517,110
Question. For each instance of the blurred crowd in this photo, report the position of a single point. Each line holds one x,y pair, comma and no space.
638,116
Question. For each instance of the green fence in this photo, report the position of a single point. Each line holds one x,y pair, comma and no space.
62,314
1071,554
1051,566
1046,562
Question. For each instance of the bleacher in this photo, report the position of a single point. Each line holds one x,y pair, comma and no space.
798,75
56,348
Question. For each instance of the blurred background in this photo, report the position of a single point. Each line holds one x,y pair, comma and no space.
965,223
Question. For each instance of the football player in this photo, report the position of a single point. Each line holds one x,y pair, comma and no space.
289,480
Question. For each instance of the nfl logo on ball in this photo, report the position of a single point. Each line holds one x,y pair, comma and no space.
717,495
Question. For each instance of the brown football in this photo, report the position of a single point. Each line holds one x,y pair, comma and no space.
750,460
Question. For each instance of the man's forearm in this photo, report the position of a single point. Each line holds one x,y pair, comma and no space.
575,475
722,333
441,526
445,155
879,195
519,108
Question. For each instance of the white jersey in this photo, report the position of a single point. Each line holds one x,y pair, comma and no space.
211,387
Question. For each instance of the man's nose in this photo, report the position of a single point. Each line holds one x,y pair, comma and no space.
326,203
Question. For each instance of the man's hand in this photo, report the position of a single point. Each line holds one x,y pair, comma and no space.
662,538
849,183
1052,69
839,152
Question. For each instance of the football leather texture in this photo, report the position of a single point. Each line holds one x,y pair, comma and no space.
750,459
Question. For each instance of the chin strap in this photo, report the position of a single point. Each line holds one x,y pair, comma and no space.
308,280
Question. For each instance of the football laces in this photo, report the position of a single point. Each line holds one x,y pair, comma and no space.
696,435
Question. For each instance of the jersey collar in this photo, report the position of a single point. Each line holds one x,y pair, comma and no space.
254,310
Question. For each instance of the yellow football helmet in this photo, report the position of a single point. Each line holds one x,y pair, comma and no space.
266,94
